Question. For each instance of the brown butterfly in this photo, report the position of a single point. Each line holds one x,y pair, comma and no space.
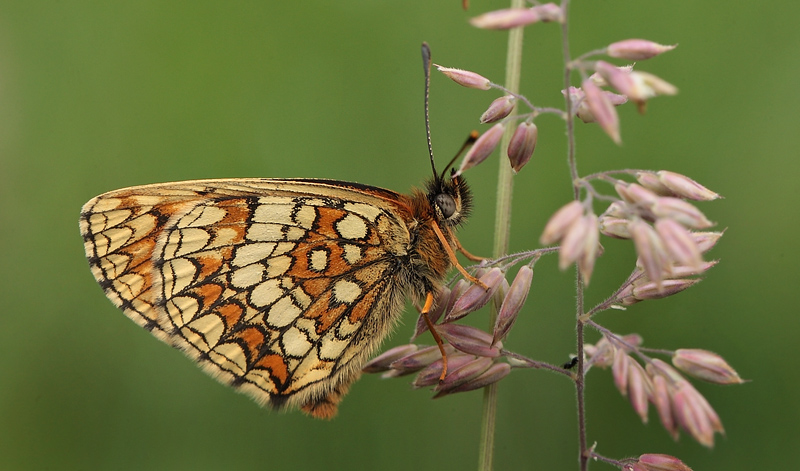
281,288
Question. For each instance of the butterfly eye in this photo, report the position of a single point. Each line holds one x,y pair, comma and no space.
446,204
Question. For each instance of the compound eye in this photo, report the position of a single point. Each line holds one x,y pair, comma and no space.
446,204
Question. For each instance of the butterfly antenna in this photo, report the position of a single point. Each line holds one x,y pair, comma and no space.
426,64
473,136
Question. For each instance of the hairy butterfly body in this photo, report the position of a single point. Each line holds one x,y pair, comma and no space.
279,288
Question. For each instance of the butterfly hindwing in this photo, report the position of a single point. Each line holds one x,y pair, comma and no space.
281,288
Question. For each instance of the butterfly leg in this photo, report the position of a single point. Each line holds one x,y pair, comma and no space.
454,260
425,310
460,248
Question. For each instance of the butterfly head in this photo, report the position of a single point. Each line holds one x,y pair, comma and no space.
450,199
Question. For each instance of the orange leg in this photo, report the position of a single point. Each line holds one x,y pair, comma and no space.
425,310
460,248
454,260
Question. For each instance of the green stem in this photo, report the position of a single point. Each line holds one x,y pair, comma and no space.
502,225
580,379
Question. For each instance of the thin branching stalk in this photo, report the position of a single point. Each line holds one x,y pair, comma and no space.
580,377
505,185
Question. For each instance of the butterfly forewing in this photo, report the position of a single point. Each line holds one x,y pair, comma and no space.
279,287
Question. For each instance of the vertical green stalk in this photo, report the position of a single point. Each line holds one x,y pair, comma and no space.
502,226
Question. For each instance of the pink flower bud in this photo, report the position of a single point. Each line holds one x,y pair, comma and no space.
430,375
651,181
684,187
475,297
466,78
495,373
636,49
640,389
590,249
469,339
653,85
652,254
656,462
617,209
415,361
615,227
705,365
620,370
681,211
515,17
679,243
682,271
458,376
574,242
383,361
520,148
694,414
482,148
561,221
636,194
663,404
706,240
619,78
658,290
512,303
602,109
499,109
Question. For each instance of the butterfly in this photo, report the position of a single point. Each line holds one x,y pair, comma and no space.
280,288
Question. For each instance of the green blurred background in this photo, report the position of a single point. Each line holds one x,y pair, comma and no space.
96,96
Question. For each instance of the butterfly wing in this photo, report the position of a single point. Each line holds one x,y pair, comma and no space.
281,288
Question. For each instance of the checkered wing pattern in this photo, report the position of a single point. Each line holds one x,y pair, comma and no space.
281,288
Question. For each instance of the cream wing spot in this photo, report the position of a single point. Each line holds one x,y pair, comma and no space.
295,342
284,247
202,216
277,266
352,254
191,240
273,213
308,327
266,293
229,356
345,291
226,236
331,348
247,276
352,227
105,204
283,312
310,369
251,253
118,237
177,275
210,327
368,211
318,260
109,219
142,225
301,298
129,286
347,328
305,216
114,265
295,233
182,309
265,232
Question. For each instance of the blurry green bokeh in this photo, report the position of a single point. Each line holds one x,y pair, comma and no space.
96,96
